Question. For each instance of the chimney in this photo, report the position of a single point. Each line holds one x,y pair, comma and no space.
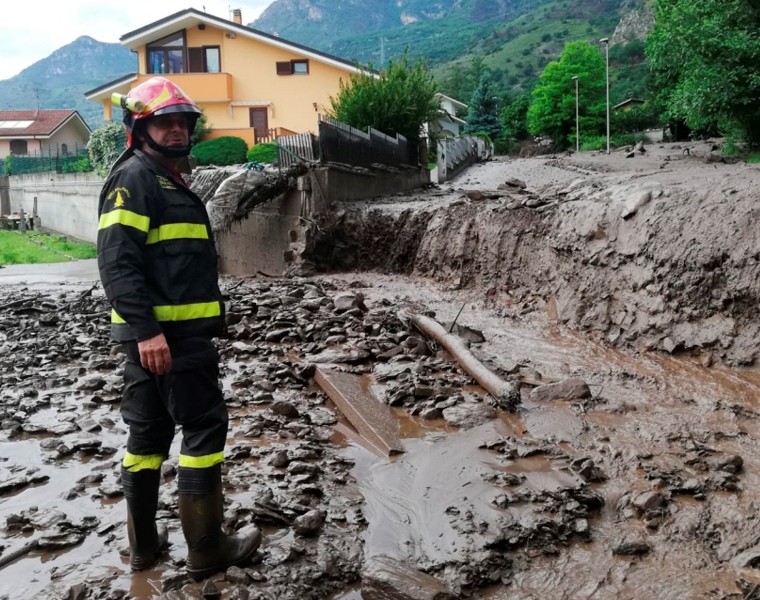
237,16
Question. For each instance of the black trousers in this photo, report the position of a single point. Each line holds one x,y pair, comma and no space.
153,405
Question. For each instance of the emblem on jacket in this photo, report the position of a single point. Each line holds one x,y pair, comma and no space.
118,195
165,183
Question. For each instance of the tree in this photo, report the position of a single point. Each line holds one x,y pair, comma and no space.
201,130
398,100
483,115
552,110
106,143
514,117
462,79
703,58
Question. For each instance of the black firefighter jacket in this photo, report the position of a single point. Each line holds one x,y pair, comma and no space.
156,255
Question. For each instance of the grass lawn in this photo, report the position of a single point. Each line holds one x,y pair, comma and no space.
17,249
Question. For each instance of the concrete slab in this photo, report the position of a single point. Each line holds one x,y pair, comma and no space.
374,421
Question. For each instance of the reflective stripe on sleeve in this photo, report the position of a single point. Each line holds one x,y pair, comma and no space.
179,312
124,217
201,462
178,231
135,462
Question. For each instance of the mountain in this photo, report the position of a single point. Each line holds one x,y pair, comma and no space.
513,39
60,80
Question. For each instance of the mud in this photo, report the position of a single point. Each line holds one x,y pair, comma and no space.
657,252
639,484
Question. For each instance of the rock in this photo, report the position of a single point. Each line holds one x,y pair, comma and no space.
748,559
91,383
286,409
430,414
310,523
280,459
476,196
514,182
568,390
347,301
236,575
647,501
468,414
731,463
632,546
210,591
77,592
384,577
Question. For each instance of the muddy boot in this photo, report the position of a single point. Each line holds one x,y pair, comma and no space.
147,540
201,511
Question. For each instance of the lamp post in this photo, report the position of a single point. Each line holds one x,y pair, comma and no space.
606,42
577,128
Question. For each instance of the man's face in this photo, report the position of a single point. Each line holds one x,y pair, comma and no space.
169,130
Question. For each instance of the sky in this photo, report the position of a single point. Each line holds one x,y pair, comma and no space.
31,32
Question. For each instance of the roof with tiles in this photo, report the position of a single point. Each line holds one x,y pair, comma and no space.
25,123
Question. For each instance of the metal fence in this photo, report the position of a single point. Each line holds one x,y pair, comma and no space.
294,149
340,143
59,159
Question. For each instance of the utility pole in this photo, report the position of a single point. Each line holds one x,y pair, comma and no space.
382,52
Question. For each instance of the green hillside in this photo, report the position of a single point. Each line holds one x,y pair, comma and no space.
61,79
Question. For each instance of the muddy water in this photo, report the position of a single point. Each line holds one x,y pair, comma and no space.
433,504
645,411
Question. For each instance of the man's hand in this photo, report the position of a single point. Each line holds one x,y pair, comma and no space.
155,355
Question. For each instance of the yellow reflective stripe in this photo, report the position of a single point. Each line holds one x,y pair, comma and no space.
201,462
177,231
179,312
124,217
135,462
185,312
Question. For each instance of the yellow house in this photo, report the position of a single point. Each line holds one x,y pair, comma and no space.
250,84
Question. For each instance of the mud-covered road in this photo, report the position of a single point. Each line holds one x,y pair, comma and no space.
640,484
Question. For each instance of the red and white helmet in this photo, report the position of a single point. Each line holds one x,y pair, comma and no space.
154,97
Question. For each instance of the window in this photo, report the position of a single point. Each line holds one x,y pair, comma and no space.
18,147
293,67
167,55
204,60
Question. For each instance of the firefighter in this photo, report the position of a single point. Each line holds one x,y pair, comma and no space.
158,265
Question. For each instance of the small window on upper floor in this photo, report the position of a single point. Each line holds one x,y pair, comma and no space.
206,59
293,67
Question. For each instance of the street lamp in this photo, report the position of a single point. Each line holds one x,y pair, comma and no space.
606,42
577,129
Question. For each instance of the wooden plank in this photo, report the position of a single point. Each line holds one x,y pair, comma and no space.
373,420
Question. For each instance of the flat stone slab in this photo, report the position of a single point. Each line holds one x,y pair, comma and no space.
385,578
375,422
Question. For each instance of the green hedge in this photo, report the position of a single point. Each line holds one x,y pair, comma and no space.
222,151
263,153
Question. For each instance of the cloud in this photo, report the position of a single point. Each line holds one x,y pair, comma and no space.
29,33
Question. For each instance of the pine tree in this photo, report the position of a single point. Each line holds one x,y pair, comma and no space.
483,116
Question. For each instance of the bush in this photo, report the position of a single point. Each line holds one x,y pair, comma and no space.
221,151
263,153
106,143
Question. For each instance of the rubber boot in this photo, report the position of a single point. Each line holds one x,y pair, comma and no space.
201,512
147,540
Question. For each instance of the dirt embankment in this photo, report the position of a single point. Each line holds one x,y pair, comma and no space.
657,252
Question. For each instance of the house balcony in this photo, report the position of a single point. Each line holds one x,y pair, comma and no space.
201,87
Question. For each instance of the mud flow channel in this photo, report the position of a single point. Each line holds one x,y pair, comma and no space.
617,476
